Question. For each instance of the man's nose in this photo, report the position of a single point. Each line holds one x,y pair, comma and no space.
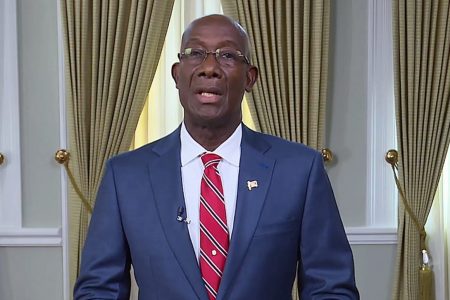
210,67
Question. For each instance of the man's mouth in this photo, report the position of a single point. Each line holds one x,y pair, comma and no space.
208,95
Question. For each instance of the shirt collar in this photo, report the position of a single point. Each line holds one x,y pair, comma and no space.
230,150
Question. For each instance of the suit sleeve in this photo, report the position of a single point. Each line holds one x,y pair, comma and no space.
105,262
326,269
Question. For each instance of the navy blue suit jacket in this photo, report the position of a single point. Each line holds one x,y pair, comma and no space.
290,219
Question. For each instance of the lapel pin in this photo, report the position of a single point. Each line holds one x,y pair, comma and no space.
252,184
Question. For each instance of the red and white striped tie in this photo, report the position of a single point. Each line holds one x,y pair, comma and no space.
214,239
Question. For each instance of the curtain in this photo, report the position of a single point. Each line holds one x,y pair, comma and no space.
421,34
290,47
438,230
162,112
111,53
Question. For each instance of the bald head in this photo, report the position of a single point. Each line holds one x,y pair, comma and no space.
224,21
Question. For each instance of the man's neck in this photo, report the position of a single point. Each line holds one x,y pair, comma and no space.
208,137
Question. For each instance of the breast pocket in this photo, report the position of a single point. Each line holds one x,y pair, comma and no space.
264,230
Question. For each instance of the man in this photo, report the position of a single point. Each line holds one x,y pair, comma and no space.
234,223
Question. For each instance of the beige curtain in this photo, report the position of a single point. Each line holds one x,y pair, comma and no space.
111,53
290,47
421,31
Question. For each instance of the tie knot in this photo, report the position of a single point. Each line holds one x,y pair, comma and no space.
210,159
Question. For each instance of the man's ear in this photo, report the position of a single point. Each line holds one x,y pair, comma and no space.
252,76
175,72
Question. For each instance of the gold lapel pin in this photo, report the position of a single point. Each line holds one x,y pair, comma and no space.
252,184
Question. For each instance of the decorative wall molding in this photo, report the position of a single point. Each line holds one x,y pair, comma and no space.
63,145
381,136
371,235
10,170
30,237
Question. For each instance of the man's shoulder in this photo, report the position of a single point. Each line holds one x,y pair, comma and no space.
284,148
144,153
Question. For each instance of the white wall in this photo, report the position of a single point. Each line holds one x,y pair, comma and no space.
31,247
31,273
367,204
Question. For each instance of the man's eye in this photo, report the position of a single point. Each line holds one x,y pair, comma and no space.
228,55
196,53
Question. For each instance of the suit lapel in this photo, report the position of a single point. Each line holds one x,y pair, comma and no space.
169,197
254,166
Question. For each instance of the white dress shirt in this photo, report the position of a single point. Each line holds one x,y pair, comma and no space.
192,172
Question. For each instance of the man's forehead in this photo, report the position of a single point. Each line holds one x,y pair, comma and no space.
222,40
212,25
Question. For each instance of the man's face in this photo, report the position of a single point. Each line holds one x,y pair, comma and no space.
211,93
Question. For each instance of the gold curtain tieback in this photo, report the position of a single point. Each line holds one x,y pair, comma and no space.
2,159
327,155
425,272
62,156
392,159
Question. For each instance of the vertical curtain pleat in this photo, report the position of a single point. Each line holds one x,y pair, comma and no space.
421,31
111,54
290,47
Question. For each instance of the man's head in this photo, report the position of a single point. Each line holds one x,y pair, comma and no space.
213,72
